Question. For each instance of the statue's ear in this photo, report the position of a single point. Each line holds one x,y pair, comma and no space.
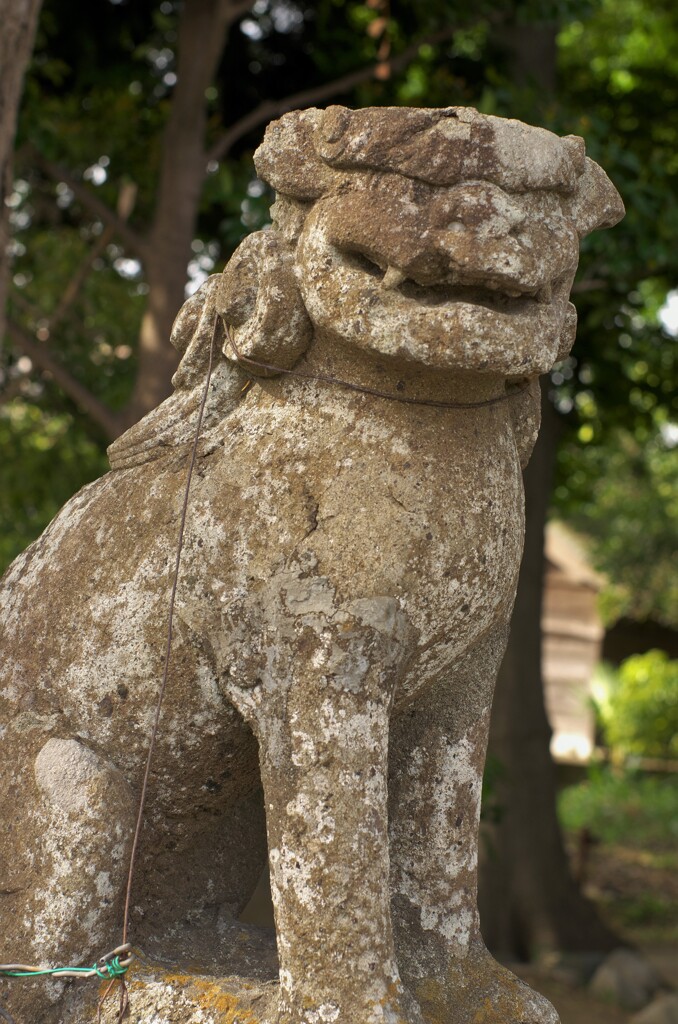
192,334
596,202
172,423
259,299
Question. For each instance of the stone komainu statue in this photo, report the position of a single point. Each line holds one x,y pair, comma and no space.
348,574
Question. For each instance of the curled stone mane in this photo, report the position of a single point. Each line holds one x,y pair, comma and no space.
311,153
470,218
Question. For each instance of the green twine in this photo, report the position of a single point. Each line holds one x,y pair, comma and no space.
110,969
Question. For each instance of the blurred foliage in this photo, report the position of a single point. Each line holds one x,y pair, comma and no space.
627,808
96,103
618,392
623,494
56,459
632,818
638,706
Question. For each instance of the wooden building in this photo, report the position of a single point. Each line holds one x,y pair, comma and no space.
572,644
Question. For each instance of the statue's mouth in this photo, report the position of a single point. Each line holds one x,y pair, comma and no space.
476,295
483,307
497,297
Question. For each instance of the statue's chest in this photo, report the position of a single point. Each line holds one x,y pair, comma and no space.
445,538
423,506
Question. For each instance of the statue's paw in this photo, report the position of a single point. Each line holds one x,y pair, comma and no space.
478,990
357,1011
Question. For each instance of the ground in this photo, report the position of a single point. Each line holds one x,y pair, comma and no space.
578,1006
575,1006
631,872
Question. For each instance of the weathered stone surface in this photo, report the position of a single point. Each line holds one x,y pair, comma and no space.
347,579
627,978
179,996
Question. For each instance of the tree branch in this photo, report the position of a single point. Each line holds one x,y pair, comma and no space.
130,239
126,200
43,358
590,284
233,10
12,390
18,22
274,108
74,286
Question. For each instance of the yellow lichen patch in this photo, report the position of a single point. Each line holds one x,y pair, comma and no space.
431,997
210,995
485,1013
483,992
195,993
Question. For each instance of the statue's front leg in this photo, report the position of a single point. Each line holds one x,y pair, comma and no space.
323,739
438,754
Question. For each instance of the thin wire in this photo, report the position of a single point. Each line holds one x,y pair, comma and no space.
325,379
165,674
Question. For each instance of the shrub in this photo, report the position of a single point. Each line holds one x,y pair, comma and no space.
640,715
626,808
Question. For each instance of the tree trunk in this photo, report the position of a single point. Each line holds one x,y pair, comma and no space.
533,53
165,250
202,34
18,20
529,900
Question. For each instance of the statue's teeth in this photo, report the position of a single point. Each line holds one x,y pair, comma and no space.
393,277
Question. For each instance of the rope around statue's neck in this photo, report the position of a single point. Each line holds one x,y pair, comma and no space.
246,361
